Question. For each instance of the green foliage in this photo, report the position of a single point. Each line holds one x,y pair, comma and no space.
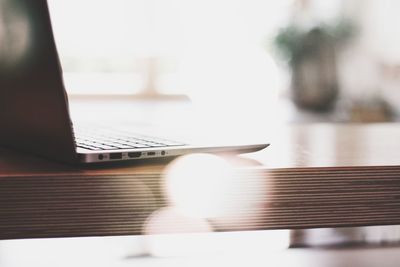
287,42
293,42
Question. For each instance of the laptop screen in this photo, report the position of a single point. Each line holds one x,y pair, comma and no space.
33,108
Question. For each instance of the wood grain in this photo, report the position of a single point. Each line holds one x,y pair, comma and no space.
354,185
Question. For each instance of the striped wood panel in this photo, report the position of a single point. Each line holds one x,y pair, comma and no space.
93,205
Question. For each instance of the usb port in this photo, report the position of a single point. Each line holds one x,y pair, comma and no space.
134,154
116,156
151,153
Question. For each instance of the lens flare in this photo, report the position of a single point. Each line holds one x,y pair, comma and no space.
199,185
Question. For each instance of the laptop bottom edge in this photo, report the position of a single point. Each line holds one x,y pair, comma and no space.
162,152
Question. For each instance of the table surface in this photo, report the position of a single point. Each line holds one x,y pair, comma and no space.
294,146
312,175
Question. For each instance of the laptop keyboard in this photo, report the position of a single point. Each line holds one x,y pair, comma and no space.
114,140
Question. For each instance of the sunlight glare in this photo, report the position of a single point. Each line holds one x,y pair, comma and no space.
199,185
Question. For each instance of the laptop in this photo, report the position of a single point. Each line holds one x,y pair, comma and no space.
34,111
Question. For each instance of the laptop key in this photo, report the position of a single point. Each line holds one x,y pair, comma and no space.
88,147
122,146
140,146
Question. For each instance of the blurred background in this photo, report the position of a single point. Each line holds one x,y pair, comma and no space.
311,60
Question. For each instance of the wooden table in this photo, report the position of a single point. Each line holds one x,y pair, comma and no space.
321,175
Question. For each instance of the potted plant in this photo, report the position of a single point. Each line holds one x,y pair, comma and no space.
311,55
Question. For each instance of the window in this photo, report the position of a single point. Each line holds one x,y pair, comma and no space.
203,49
